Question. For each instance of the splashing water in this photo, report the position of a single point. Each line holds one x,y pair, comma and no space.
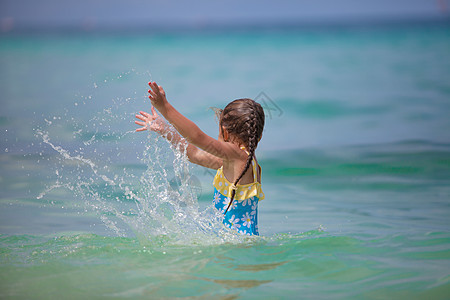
149,203
173,212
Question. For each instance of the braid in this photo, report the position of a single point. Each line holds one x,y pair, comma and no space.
252,144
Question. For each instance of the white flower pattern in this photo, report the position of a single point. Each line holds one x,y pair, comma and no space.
254,207
216,199
247,222
234,222
226,202
247,201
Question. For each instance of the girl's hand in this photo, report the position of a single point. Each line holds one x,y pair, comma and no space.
150,122
157,96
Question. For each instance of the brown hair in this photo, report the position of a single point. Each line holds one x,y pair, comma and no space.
244,119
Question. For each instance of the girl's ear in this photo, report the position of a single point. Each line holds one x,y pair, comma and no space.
225,134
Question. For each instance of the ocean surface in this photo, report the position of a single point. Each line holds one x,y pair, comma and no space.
355,158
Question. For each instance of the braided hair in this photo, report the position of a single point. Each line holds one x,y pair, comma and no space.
244,119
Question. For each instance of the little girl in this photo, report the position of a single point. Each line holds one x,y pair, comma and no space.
237,184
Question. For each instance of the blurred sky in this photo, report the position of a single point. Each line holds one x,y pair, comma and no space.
95,14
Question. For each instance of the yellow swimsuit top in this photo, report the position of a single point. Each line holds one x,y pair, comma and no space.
243,191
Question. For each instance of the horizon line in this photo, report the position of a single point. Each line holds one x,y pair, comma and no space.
221,26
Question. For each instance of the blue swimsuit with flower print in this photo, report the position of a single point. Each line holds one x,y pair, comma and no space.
242,215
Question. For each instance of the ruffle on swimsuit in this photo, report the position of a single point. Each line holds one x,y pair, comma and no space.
243,191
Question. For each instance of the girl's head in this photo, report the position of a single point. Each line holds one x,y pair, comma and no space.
242,121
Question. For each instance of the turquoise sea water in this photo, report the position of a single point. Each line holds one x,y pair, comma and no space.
355,158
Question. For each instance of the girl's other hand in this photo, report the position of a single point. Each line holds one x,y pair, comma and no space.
157,95
150,122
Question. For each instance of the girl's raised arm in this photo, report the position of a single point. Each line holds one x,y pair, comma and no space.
154,123
191,132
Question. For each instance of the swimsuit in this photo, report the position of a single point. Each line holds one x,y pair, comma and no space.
242,215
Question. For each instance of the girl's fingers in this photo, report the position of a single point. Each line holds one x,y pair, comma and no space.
161,90
140,123
154,111
147,115
155,88
152,93
141,118
141,129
